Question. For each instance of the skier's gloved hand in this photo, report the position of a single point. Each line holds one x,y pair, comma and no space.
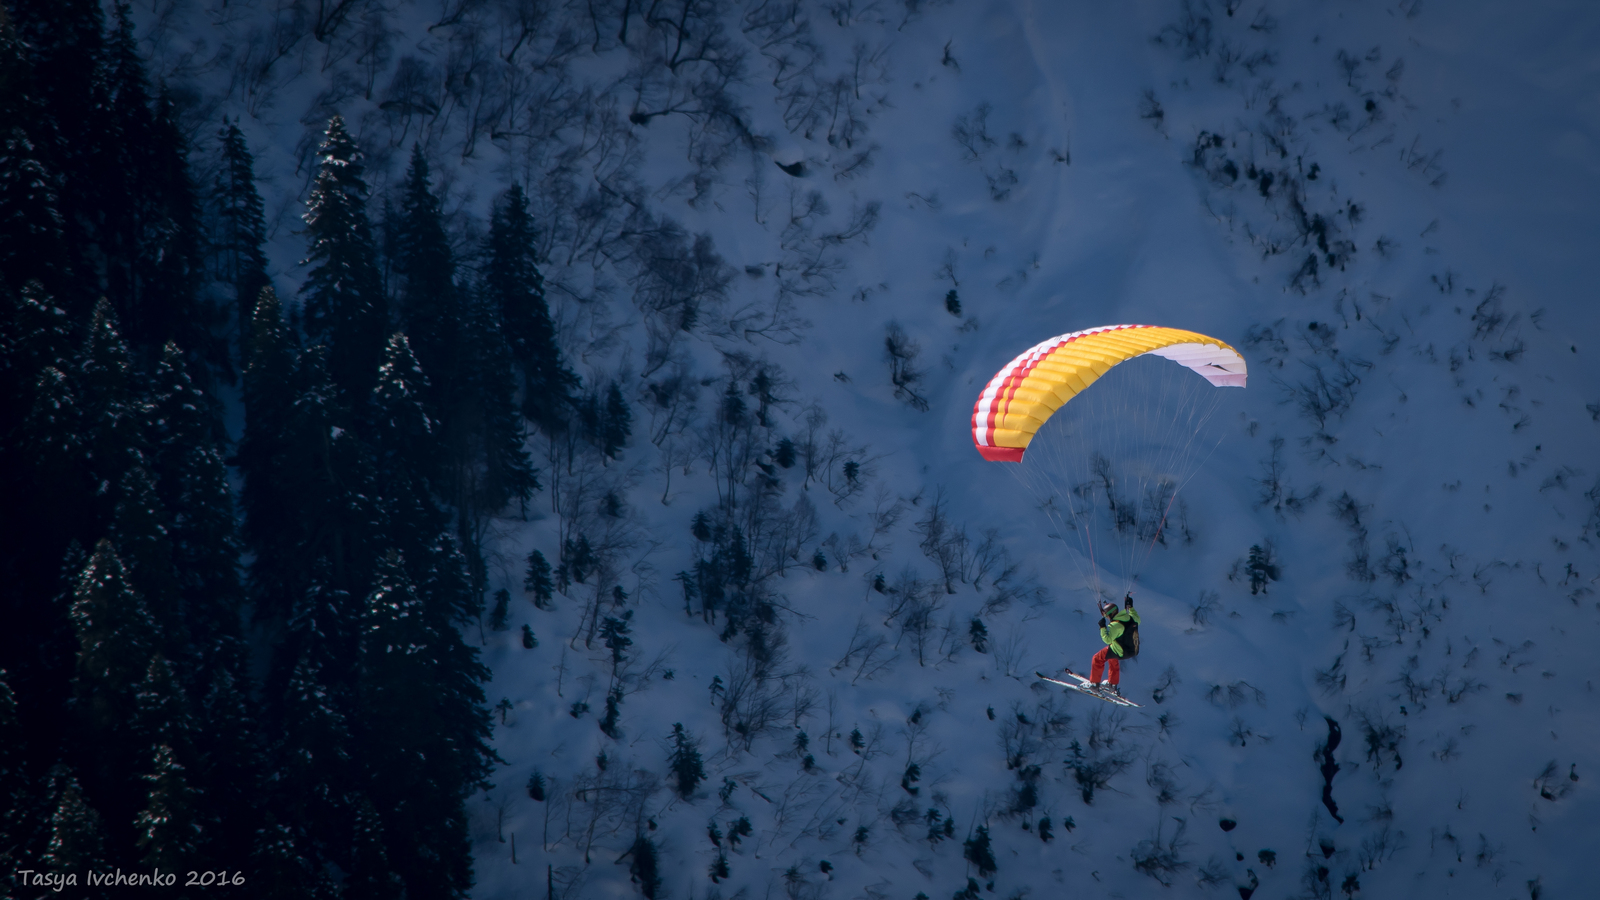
1102,622
1128,600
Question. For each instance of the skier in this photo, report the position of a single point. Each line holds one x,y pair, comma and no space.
1120,631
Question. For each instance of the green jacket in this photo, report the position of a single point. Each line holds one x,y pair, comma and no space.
1114,628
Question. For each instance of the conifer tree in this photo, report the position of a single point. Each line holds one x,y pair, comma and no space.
30,214
607,422
50,445
477,434
431,306
287,863
111,415
614,633
407,455
117,636
979,851
77,840
65,42
105,369
268,369
618,422
11,772
161,715
70,125
459,343
313,768
230,765
645,869
20,836
513,283
171,266
94,184
405,435
141,530
169,829
538,581
498,469
306,578
501,610
16,76
35,332
1261,567
687,768
372,877
344,305
400,641
126,78
239,246
182,415
192,482
331,527
122,196
127,204
271,526
42,482
425,732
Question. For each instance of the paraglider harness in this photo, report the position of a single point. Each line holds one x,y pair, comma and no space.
1129,640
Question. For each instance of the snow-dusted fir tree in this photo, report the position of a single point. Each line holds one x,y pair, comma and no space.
343,296
192,482
512,282
30,215
77,837
64,42
688,769
469,391
431,308
170,832
270,527
423,732
117,638
496,468
313,773
241,260
107,389
141,530
149,213
20,823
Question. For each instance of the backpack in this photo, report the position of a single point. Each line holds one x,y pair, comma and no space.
1129,640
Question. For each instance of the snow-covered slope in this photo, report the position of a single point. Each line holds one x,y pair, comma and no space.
1417,442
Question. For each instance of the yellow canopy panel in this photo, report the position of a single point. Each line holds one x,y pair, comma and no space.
1021,396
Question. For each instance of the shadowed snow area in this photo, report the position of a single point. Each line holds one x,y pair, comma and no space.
802,241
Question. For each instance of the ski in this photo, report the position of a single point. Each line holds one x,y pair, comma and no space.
1089,686
1082,686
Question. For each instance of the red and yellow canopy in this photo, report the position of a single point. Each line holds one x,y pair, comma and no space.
1021,396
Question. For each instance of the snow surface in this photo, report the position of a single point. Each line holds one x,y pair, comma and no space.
1477,468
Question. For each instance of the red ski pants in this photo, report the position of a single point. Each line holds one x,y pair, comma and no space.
1105,660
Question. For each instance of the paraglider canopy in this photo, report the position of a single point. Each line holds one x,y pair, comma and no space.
1108,460
1030,388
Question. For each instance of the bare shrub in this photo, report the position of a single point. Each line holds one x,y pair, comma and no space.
1160,857
901,353
1382,736
944,542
